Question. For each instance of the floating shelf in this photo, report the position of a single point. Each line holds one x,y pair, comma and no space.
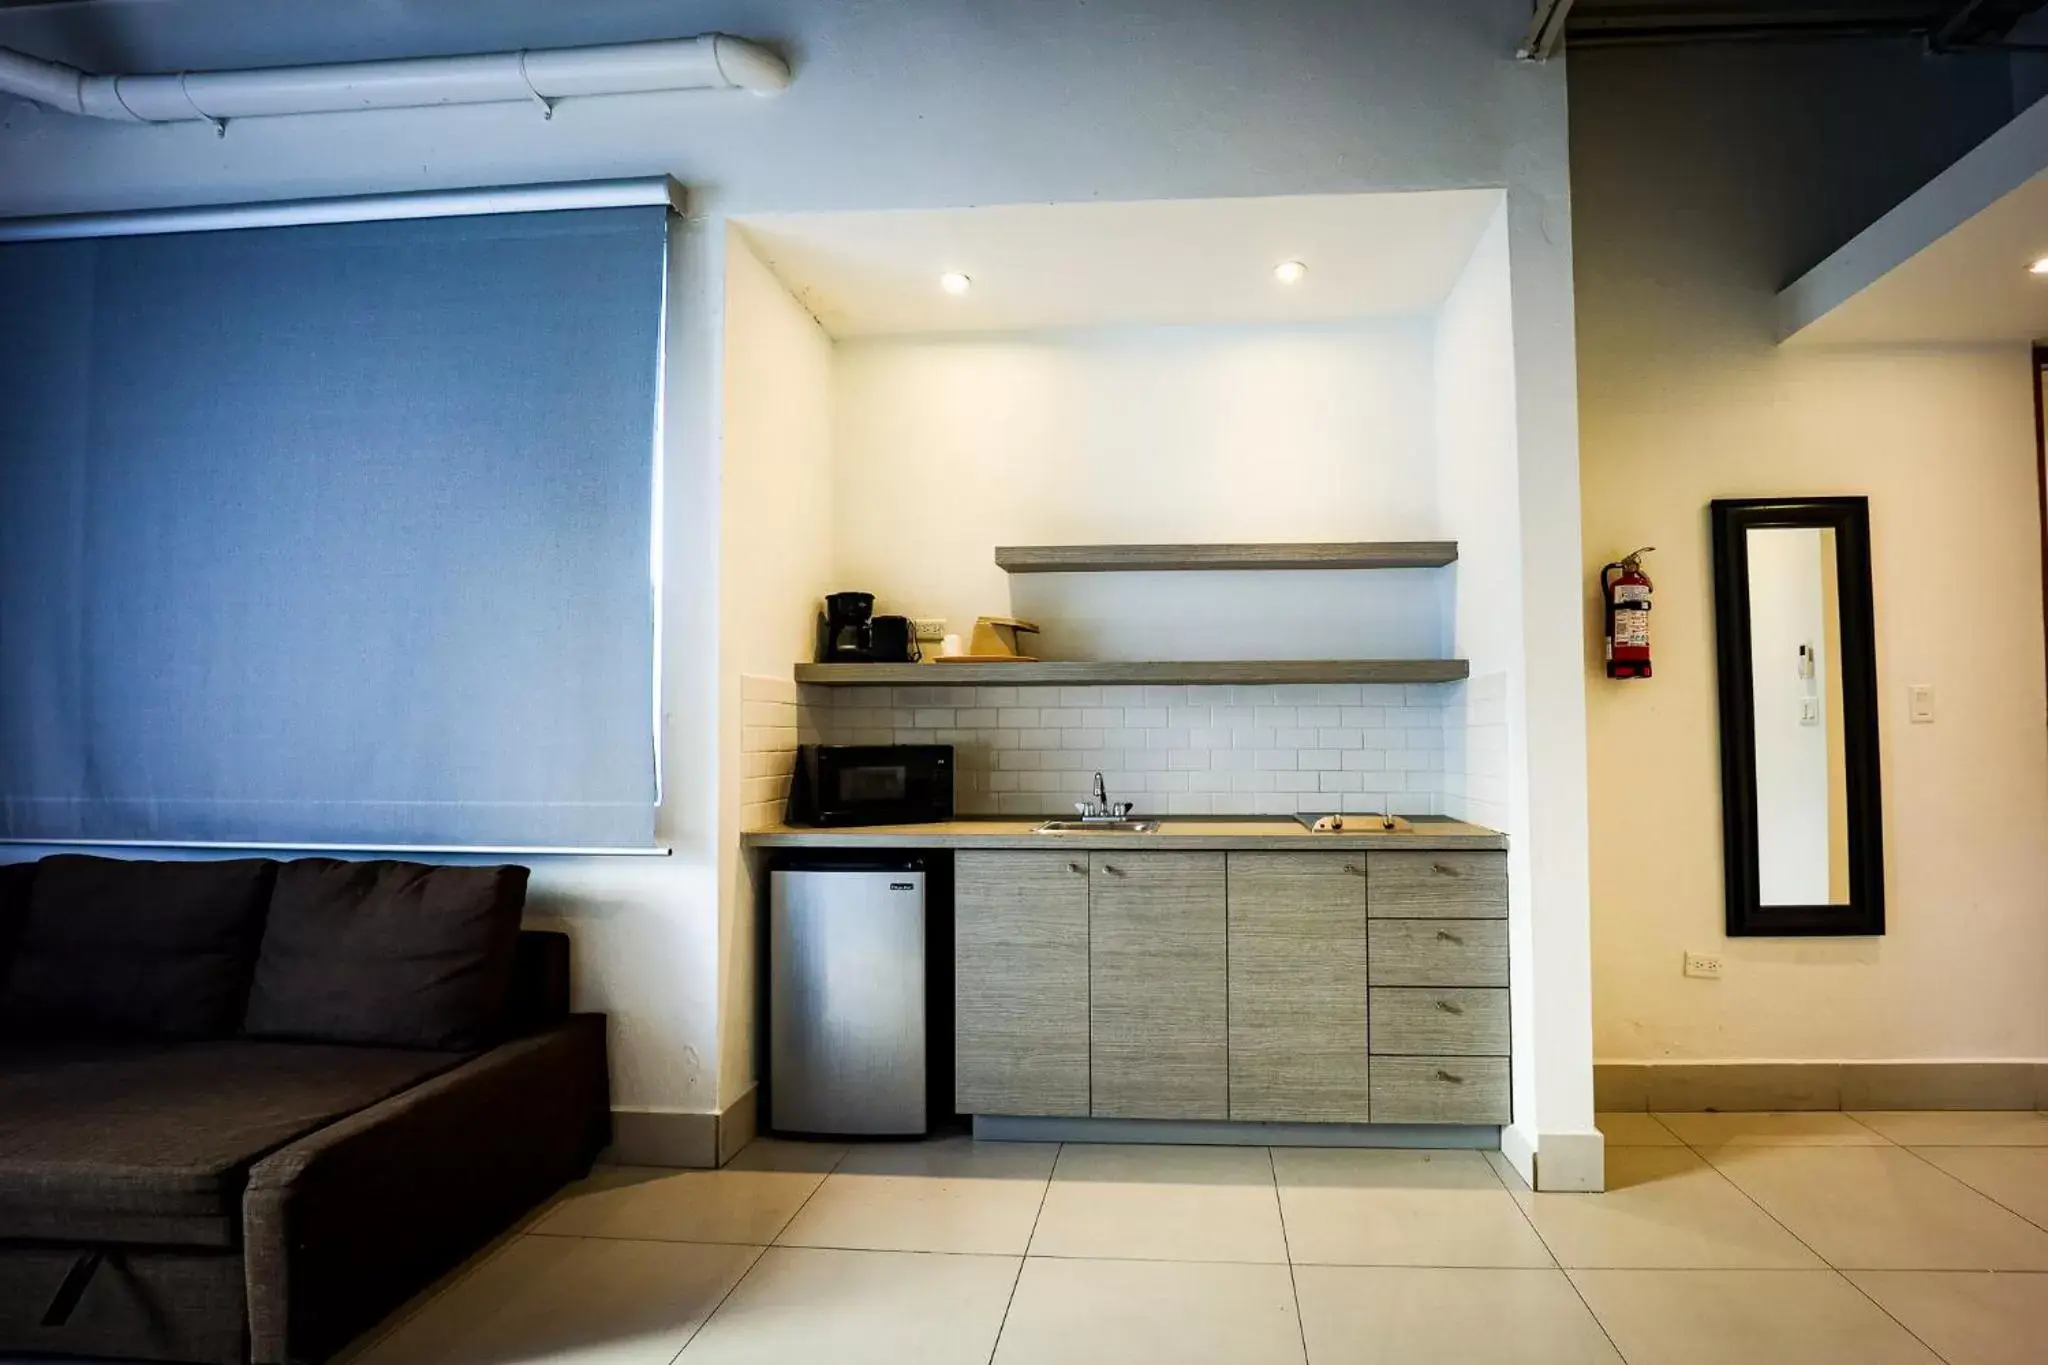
1247,671
1365,554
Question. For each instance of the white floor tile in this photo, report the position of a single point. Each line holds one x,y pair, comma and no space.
958,1196
1071,1312
1161,1203
800,1304
1402,1315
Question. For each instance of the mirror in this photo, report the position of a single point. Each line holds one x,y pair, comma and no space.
1800,803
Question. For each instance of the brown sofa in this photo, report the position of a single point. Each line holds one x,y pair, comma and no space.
248,1108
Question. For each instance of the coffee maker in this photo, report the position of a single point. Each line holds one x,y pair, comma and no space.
850,633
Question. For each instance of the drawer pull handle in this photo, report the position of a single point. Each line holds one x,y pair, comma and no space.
1112,871
1448,1078
1354,869
1450,1007
1445,870
1076,867
1448,937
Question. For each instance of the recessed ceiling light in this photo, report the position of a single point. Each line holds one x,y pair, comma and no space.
2039,267
1289,272
953,282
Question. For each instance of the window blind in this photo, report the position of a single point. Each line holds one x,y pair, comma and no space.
333,534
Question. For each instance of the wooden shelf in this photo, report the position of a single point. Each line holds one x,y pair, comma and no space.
1366,554
1246,671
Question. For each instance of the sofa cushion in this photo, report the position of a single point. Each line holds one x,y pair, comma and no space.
116,948
151,1142
15,880
393,954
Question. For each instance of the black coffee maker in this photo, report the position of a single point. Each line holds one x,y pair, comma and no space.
846,633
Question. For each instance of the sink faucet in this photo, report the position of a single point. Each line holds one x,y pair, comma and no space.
1100,807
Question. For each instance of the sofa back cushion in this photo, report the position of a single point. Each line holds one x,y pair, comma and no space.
118,948
386,953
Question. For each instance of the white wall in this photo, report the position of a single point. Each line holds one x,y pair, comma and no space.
923,103
1704,181
775,547
948,447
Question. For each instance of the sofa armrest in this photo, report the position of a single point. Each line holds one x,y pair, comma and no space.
539,998
346,1224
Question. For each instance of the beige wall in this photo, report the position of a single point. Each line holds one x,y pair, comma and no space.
1702,181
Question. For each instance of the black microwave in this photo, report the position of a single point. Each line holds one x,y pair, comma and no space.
871,784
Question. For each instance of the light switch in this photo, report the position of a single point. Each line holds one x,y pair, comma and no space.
1920,702
1809,710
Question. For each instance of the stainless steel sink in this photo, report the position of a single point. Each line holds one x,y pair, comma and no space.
1098,827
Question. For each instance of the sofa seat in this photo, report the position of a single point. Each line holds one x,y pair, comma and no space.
150,1143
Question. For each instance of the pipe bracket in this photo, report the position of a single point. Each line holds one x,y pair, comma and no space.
547,106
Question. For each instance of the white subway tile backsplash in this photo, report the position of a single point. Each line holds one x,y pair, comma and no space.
1033,750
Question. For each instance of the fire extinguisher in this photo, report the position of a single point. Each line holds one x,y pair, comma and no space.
1625,591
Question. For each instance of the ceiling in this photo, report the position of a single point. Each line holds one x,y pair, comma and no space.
1953,24
1055,266
1946,266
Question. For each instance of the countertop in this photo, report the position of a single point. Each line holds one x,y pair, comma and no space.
1190,833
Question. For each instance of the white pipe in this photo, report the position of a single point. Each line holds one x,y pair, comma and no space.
712,61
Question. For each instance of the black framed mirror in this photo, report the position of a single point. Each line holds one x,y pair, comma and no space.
1802,812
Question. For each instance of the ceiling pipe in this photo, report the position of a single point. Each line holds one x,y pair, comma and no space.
540,75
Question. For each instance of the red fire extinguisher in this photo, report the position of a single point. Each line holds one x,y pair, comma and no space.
1625,590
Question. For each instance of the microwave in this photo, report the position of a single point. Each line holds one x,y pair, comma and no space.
871,784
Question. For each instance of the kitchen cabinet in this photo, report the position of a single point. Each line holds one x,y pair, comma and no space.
1298,943
1020,983
1157,955
1297,986
1438,885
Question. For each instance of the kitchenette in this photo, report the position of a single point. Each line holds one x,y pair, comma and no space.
1121,665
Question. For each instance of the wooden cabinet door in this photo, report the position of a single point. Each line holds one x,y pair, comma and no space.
1298,1002
1159,1036
1020,984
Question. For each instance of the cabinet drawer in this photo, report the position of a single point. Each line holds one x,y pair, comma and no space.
1440,1090
1437,885
1421,952
1439,1023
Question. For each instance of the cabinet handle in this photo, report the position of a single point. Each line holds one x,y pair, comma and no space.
1450,1007
1112,871
1448,1078
1354,869
1448,937
1445,870
1077,867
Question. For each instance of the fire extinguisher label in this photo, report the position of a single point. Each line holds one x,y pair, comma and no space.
1631,629
1632,595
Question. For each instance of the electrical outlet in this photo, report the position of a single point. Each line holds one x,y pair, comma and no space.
1707,965
929,627
1920,703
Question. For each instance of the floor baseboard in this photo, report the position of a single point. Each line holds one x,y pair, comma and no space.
1736,1087
686,1141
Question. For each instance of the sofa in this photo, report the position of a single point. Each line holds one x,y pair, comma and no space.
248,1107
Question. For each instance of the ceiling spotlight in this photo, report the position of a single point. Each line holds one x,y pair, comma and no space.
2039,267
1289,272
953,282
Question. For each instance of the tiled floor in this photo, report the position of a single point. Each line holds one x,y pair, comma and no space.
1764,1239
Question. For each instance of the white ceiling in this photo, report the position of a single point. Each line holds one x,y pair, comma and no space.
1949,265
1056,266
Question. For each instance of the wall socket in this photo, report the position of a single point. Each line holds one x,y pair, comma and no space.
929,627
1707,965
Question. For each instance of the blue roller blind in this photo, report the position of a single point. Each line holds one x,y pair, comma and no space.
332,534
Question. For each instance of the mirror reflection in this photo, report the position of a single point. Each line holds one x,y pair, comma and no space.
1795,634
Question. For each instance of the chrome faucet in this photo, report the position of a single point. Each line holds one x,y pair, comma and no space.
1100,807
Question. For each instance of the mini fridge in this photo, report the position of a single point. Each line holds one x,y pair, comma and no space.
847,1016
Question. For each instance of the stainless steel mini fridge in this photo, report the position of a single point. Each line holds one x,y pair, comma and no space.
846,1002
